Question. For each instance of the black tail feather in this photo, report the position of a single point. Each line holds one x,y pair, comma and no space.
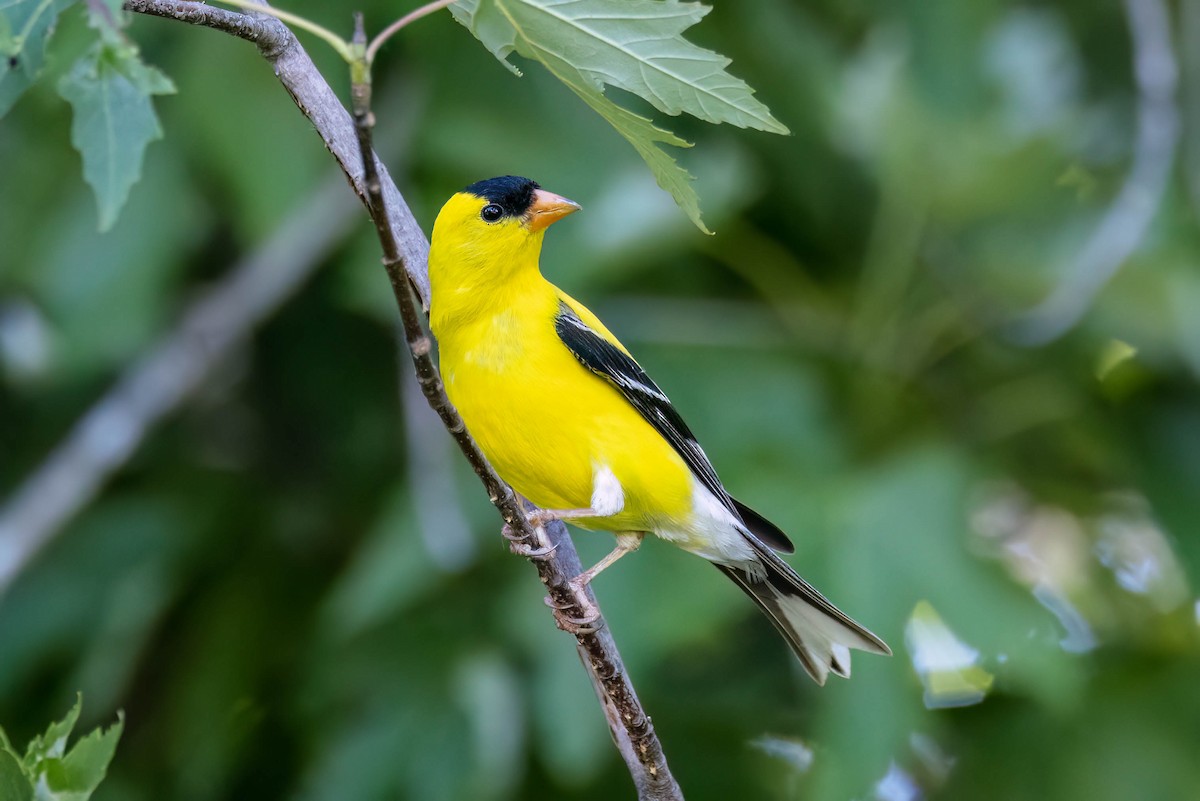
763,528
818,632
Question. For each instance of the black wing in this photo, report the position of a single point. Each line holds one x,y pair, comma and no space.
763,528
614,365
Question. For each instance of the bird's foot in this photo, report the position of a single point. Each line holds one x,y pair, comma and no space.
518,545
529,552
586,622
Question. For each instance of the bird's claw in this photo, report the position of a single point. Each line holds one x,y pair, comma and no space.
571,624
518,545
529,552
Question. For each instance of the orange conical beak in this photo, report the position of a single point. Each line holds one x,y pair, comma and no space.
547,207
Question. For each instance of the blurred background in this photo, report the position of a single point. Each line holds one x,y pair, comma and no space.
947,335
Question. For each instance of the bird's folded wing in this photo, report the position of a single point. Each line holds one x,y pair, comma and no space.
607,359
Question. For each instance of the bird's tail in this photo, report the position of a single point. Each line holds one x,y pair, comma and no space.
820,634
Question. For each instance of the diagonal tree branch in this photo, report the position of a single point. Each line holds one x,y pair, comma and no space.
108,433
406,252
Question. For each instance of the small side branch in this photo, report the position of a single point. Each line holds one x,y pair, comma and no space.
391,30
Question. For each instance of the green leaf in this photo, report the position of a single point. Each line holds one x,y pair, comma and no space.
635,45
14,785
25,25
77,775
645,137
109,90
52,744
490,28
56,773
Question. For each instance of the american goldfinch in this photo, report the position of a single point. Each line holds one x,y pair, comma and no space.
568,418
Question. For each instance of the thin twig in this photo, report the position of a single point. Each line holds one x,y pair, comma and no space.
406,252
1125,223
391,30
109,432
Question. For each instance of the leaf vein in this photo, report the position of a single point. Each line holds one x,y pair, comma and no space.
653,62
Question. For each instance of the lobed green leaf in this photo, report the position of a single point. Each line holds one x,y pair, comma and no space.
638,46
51,772
646,137
76,775
52,744
109,90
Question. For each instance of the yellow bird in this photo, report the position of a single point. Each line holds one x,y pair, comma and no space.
569,419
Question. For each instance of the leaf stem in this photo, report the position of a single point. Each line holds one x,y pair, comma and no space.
336,42
412,16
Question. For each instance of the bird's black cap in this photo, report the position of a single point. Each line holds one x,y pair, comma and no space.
511,193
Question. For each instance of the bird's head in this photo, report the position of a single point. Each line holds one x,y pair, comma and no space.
493,226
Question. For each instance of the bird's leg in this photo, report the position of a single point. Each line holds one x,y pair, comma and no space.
627,542
540,517
537,519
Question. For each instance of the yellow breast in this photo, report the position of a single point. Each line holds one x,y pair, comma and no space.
547,424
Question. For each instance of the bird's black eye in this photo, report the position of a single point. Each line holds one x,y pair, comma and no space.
491,213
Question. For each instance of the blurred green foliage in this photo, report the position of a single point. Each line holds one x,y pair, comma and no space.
260,588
